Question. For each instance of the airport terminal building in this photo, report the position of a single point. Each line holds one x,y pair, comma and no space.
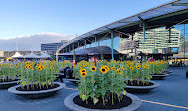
160,31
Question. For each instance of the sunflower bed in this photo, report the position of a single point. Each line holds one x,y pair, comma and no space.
100,87
7,75
158,69
37,79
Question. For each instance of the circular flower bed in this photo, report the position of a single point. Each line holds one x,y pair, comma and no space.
129,103
36,92
8,75
37,79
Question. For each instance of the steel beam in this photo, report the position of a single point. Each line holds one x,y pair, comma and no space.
112,43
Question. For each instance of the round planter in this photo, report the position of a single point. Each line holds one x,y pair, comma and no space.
141,89
69,103
36,94
159,77
5,85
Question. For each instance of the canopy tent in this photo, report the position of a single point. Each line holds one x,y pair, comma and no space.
31,55
92,51
45,55
16,55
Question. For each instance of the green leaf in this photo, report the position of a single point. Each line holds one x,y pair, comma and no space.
95,100
24,83
84,97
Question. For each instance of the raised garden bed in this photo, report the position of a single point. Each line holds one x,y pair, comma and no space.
6,84
135,87
159,76
37,92
129,103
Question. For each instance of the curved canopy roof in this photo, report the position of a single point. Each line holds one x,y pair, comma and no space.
164,15
92,51
45,55
31,55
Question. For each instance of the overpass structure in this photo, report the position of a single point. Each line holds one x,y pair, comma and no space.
167,15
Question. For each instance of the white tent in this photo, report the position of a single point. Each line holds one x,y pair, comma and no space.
31,55
16,55
45,55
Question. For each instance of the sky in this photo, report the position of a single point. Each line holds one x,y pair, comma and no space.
75,17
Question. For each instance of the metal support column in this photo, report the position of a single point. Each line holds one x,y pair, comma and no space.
184,45
96,41
144,31
57,56
85,43
78,46
112,43
73,47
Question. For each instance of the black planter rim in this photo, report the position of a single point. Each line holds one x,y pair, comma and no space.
69,103
12,82
13,90
145,87
164,75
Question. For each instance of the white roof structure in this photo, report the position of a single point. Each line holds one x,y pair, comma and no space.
16,55
45,55
31,55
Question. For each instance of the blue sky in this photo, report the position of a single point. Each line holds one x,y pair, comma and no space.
27,17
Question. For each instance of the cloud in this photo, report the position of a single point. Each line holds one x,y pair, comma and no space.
32,42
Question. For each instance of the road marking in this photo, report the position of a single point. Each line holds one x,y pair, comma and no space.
66,81
149,101
164,104
70,88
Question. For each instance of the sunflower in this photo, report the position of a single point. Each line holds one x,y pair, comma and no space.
106,67
93,68
131,68
51,64
138,67
113,68
8,65
122,68
82,71
144,66
15,65
39,69
119,71
103,70
43,67
18,64
29,66
83,74
37,65
51,67
26,67
147,66
74,66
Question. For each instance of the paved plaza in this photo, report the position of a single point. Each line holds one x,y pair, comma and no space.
171,95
